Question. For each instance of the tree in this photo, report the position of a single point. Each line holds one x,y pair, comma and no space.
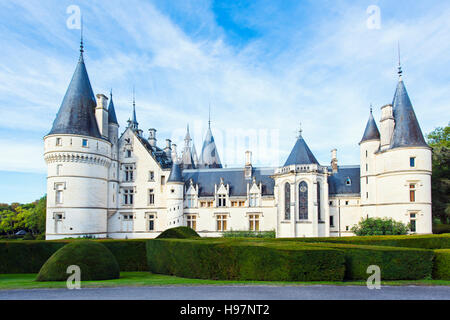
439,141
379,226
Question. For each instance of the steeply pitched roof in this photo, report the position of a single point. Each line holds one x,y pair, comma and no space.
300,154
112,112
407,131
76,114
209,157
175,173
337,182
206,178
371,132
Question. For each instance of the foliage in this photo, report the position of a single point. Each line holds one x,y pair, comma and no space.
29,217
440,228
130,254
439,140
379,226
249,234
441,265
95,260
178,233
243,260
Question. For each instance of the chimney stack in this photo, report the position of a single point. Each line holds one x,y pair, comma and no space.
168,148
152,137
101,114
248,165
334,161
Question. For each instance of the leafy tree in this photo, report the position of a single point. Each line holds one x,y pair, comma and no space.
439,140
379,226
8,220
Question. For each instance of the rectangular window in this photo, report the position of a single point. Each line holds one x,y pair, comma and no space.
84,143
129,173
367,180
151,222
128,196
241,203
128,154
192,221
331,221
221,200
412,222
163,180
151,176
412,162
367,195
253,221
59,189
221,222
412,192
367,167
58,169
59,141
253,200
190,201
151,197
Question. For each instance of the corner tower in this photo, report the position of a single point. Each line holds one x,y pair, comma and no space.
78,161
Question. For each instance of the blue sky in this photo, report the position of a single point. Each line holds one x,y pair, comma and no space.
263,66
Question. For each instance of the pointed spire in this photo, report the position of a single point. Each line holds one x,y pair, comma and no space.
371,132
133,122
209,157
187,158
111,110
300,154
76,114
399,64
188,136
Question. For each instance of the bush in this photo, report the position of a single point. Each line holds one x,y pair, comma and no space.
395,263
441,266
379,226
427,241
95,260
130,254
249,234
441,228
239,260
178,233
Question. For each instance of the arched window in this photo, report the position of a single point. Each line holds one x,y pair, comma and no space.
303,201
319,217
287,201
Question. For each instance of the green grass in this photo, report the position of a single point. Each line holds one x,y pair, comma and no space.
133,279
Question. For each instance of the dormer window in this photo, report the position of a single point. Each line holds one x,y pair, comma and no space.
253,200
222,200
348,182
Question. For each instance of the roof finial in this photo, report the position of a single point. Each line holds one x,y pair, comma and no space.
81,37
371,108
134,97
209,116
300,131
399,64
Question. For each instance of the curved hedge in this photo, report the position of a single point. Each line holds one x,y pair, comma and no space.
178,233
238,260
441,266
94,259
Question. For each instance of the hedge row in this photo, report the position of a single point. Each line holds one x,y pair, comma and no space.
239,260
29,256
441,265
428,241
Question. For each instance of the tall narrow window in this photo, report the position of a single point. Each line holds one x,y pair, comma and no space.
253,199
58,169
59,141
84,143
222,200
128,196
412,222
192,221
319,216
221,222
253,222
367,167
151,176
303,200
412,192
331,221
190,201
287,201
129,173
151,222
151,197
59,193
412,162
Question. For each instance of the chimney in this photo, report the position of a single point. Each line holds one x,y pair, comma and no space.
168,148
174,152
248,165
101,114
334,161
386,126
152,137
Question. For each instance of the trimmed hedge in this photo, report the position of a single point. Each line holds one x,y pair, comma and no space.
428,241
29,256
394,263
95,260
178,233
441,265
238,260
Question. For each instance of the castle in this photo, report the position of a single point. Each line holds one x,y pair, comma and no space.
102,184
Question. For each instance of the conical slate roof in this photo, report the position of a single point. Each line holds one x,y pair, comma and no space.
175,173
112,112
300,154
76,114
209,157
371,132
407,131
187,158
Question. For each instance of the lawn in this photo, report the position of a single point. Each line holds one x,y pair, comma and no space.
132,279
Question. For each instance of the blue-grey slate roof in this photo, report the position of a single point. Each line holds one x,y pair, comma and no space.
207,178
407,131
337,182
371,132
76,114
175,173
300,154
112,112
158,154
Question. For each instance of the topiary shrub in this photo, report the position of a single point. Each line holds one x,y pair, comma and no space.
441,265
95,260
178,233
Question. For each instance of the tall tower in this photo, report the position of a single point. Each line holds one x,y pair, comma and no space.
78,161
175,201
368,146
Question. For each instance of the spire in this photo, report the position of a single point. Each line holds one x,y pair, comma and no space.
188,136
187,158
371,132
133,122
111,111
407,132
76,113
301,154
399,64
209,157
